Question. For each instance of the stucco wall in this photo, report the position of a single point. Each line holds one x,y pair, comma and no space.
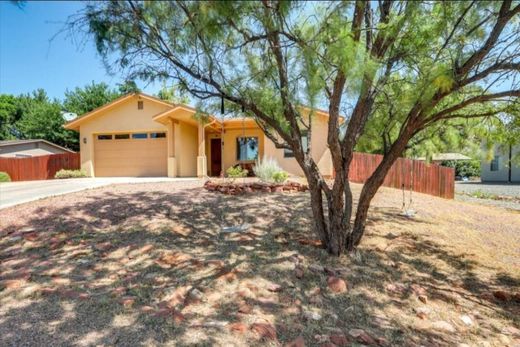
502,174
186,142
124,117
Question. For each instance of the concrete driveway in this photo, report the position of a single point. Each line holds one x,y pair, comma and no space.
14,193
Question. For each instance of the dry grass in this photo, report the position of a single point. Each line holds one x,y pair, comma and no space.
146,265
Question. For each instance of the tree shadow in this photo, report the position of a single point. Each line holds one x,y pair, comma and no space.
151,266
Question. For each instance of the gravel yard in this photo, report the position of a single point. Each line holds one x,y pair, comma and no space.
147,264
505,195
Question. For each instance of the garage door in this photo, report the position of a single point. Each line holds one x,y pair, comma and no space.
130,154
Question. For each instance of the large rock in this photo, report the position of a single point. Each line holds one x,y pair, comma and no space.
336,285
444,326
265,331
362,336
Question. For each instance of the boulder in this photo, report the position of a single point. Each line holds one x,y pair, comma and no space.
336,285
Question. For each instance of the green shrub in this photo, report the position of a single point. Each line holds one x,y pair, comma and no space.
280,176
268,170
236,172
464,168
4,177
70,174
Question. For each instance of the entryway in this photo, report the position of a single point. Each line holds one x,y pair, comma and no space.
216,157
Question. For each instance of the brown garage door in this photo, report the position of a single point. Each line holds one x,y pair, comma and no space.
140,154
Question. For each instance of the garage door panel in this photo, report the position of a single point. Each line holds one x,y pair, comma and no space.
133,157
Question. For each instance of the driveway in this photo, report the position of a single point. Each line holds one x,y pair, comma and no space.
509,193
14,193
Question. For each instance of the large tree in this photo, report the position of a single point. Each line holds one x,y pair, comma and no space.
441,60
84,99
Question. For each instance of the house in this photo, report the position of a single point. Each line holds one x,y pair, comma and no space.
29,148
502,168
140,135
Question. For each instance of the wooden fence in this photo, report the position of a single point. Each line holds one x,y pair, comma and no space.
39,168
421,177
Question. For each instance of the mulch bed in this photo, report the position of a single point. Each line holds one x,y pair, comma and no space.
231,188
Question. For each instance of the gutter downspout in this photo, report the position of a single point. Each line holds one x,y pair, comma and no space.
510,162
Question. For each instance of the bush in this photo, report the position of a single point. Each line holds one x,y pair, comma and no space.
70,174
268,170
280,177
236,172
4,177
464,168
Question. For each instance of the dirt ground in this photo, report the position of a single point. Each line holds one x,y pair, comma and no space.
147,264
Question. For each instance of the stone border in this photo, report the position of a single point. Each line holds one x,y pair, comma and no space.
254,187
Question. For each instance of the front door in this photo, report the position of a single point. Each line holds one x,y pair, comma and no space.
216,157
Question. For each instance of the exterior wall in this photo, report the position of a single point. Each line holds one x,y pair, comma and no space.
32,149
320,151
186,149
124,117
502,174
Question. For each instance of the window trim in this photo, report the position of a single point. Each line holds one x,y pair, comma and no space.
237,148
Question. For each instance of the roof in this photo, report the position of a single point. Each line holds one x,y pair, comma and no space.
447,156
21,142
74,123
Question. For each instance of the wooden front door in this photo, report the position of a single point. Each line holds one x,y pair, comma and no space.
216,157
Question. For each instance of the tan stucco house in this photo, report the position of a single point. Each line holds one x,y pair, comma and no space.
140,135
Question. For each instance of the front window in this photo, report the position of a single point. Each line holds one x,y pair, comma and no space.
495,164
247,148
288,153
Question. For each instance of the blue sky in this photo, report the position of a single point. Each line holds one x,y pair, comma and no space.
30,60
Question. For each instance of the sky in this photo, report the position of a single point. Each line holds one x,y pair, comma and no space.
30,58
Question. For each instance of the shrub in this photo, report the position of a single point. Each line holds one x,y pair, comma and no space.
70,174
236,172
464,168
268,170
280,176
4,177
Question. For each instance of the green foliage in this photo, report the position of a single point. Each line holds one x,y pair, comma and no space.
268,170
127,87
86,99
280,176
464,168
8,116
70,174
173,94
236,172
4,177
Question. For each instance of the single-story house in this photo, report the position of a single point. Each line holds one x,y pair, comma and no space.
502,168
140,135
29,148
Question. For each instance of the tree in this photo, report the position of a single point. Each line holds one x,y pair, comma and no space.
128,86
42,118
172,94
8,116
83,100
437,60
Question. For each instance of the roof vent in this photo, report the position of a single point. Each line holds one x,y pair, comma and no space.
140,105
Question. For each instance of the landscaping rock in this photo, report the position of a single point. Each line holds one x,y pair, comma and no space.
337,285
311,315
422,312
502,295
265,331
316,268
396,288
298,272
423,299
298,342
466,320
245,308
339,340
238,327
275,288
362,336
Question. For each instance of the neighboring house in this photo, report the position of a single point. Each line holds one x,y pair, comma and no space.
440,157
502,167
140,135
29,148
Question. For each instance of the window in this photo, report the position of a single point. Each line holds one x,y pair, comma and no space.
247,148
157,135
104,137
122,136
140,136
140,105
495,165
287,153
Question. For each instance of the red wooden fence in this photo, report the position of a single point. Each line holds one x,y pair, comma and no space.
421,177
39,168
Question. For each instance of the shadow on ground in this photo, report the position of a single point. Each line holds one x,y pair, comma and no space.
142,267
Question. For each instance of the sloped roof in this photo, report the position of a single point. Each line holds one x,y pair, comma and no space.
21,142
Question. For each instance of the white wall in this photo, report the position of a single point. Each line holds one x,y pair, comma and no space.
502,174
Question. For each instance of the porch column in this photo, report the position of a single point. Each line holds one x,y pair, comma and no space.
201,158
172,163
